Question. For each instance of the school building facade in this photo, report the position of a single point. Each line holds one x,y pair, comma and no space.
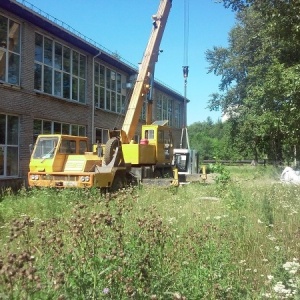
53,80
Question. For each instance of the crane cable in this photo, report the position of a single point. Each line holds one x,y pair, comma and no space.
186,38
185,68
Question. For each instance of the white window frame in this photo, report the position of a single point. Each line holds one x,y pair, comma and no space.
4,148
7,52
108,87
80,77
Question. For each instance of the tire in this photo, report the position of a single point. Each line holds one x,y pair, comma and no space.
157,173
118,183
110,149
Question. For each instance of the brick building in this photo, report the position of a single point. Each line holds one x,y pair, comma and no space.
54,80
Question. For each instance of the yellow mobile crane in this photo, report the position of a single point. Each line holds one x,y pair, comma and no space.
63,161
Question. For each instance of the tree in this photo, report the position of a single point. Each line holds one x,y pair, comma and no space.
260,78
210,139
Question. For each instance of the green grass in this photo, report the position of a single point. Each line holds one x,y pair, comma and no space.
228,240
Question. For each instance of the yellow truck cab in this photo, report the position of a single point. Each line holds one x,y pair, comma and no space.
62,161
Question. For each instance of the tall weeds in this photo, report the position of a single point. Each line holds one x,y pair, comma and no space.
153,243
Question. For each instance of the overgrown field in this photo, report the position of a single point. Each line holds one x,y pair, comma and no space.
238,238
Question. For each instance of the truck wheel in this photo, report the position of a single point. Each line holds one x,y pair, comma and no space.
157,173
110,149
118,183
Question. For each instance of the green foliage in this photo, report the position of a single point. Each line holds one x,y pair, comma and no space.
223,174
211,140
260,83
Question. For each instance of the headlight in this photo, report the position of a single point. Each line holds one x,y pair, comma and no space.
85,178
34,177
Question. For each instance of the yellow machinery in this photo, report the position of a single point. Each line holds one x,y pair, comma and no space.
62,161
121,160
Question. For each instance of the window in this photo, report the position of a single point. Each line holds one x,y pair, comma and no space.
67,147
177,118
108,92
59,70
160,136
149,134
45,147
82,147
164,108
50,127
9,51
9,145
101,135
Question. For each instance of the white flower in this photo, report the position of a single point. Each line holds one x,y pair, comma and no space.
292,267
271,238
267,295
280,289
270,277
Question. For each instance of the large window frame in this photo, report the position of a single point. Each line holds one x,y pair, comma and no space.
59,70
101,135
9,145
10,51
109,93
41,126
165,108
177,115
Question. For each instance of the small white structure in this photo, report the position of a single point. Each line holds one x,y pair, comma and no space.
290,176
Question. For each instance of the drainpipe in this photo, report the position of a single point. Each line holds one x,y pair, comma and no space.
93,99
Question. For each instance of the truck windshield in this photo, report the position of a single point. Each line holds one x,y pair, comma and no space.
45,147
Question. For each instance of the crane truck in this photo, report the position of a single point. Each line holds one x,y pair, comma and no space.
63,160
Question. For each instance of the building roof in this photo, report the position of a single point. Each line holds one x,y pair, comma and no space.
67,33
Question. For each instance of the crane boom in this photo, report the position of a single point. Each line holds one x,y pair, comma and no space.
142,84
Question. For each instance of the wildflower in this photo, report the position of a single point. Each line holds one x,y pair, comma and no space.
279,288
267,295
291,267
271,238
270,277
105,291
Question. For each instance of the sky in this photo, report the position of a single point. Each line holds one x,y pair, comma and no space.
124,27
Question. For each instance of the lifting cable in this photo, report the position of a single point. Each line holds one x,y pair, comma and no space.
185,52
186,38
185,69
